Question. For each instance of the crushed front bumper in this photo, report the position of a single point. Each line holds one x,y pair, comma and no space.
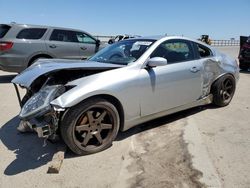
42,128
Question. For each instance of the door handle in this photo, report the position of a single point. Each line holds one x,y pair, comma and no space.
83,48
52,46
194,69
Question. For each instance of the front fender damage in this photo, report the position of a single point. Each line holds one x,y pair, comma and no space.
46,124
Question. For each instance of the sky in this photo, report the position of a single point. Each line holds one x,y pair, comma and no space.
220,19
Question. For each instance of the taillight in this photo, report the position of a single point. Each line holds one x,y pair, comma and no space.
5,46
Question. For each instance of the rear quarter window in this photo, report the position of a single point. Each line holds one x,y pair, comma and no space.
31,33
203,51
3,30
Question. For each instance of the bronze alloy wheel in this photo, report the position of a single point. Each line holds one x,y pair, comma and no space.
227,90
94,127
223,90
90,127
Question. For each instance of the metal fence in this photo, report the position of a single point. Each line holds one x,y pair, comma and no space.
105,38
225,42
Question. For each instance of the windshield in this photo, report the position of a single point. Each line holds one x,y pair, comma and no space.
123,52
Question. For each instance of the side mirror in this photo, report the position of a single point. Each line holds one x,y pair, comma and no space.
157,61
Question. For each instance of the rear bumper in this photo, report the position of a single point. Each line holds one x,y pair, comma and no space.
11,64
11,69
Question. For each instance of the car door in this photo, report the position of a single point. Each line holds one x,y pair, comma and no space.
87,44
63,44
175,84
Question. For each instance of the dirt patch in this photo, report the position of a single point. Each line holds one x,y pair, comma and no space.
160,158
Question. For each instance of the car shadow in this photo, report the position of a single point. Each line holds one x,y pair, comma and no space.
154,124
4,79
160,121
30,151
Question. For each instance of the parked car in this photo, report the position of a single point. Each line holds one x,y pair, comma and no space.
244,55
121,37
124,84
21,45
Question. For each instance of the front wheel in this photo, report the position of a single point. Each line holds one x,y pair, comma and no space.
223,90
90,126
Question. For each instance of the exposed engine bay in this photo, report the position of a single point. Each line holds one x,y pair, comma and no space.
61,77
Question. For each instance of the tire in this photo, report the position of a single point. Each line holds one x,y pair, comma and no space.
90,126
223,90
34,59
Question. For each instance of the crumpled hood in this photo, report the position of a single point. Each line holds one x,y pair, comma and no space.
45,66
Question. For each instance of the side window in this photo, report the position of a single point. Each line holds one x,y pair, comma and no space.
84,38
32,33
203,51
174,51
63,36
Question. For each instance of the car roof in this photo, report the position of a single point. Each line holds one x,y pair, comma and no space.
160,37
163,38
43,26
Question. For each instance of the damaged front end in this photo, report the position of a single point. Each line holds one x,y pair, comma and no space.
39,115
45,81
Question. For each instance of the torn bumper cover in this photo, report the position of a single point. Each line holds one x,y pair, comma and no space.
43,129
38,114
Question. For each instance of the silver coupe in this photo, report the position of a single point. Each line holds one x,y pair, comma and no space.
124,84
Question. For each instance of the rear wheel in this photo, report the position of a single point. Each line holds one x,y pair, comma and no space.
34,59
90,127
223,90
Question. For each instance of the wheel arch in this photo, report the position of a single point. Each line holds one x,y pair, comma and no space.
113,100
217,78
33,58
